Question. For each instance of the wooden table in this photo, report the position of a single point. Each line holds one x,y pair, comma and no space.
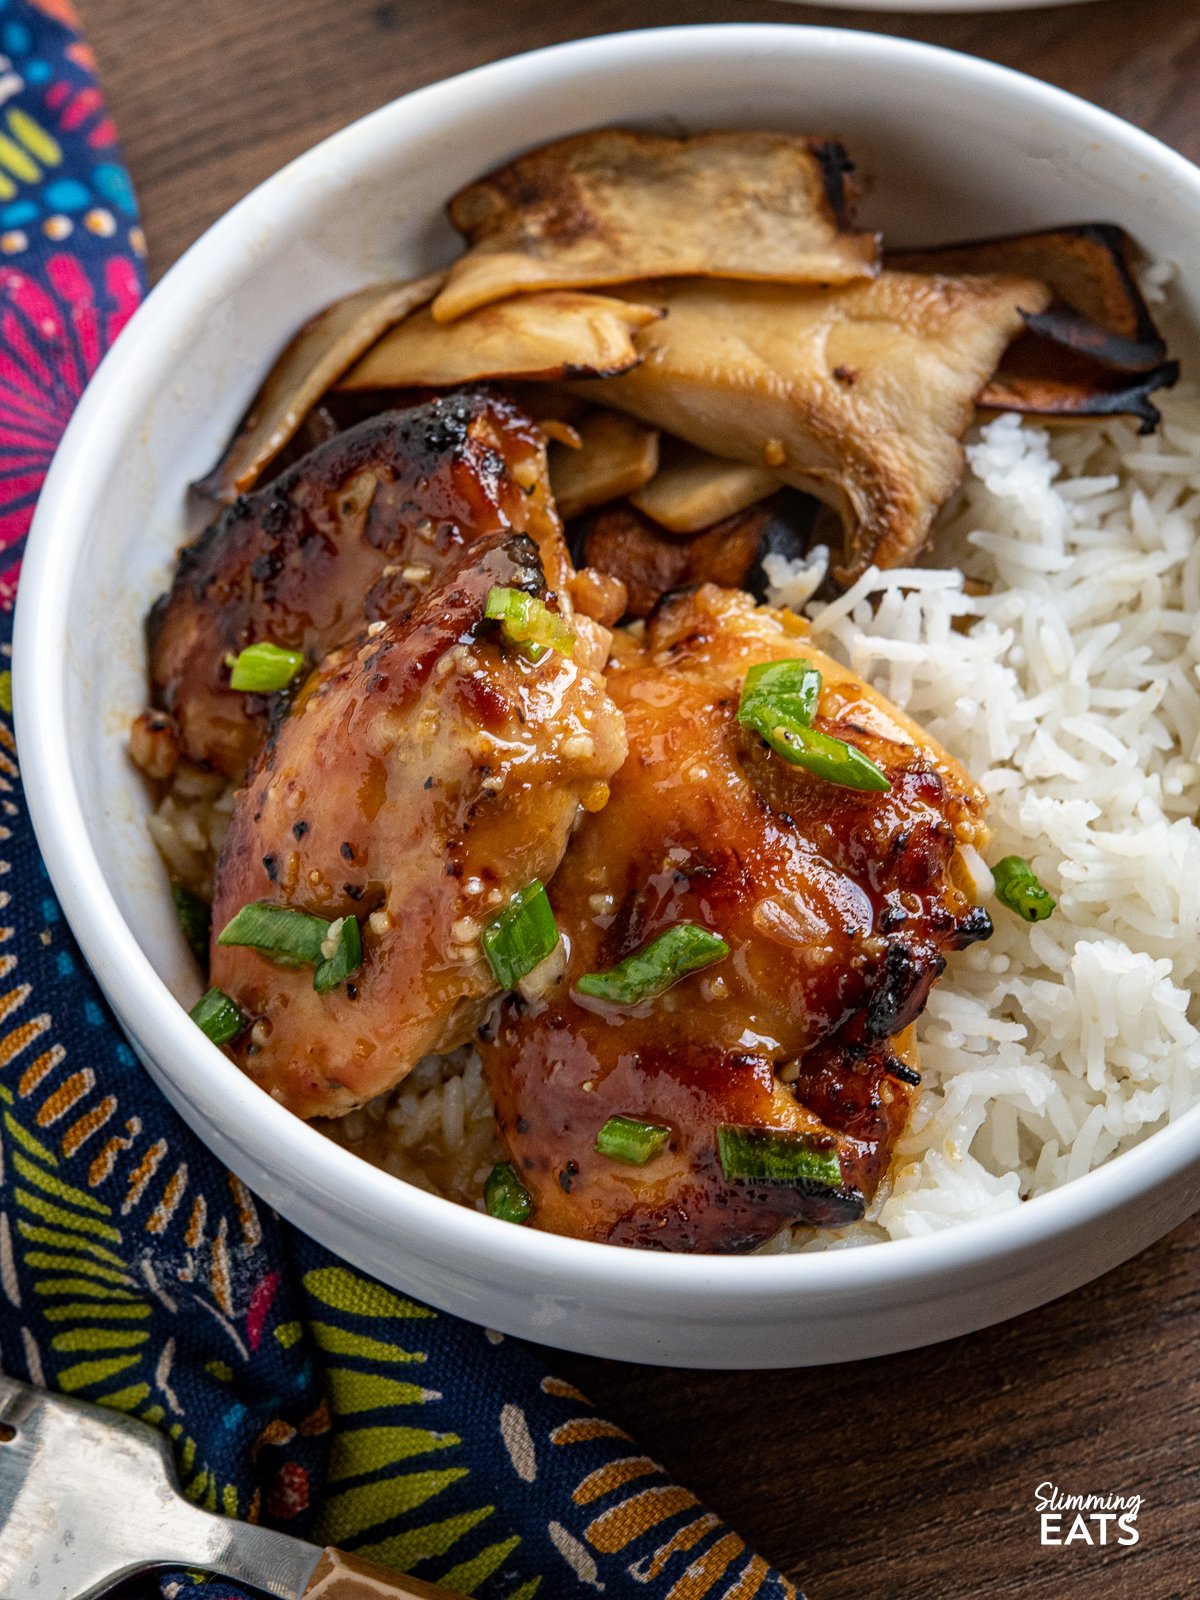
888,1479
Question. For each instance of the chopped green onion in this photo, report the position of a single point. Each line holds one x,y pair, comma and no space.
779,701
528,622
768,1155
521,936
293,938
217,1016
1017,887
828,758
346,958
195,921
776,693
263,668
506,1196
656,967
627,1140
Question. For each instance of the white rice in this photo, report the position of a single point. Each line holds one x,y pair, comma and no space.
1071,691
435,1129
189,824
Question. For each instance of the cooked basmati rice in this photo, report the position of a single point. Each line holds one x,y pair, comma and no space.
1071,691
189,825
435,1129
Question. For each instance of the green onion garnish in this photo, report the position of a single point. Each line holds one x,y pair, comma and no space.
768,1155
295,938
195,921
779,701
292,938
506,1196
828,758
346,958
217,1016
521,936
627,1140
652,970
1017,887
528,623
784,692
263,668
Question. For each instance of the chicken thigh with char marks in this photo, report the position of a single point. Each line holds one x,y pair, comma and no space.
354,532
837,906
424,775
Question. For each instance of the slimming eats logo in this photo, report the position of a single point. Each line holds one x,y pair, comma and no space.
1086,1518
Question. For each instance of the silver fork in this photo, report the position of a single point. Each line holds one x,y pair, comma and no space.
88,1497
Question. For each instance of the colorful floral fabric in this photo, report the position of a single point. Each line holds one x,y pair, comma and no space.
135,1271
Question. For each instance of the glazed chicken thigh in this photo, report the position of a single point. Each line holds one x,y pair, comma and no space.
354,532
837,906
425,774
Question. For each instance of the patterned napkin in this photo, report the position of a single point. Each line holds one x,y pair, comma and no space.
134,1270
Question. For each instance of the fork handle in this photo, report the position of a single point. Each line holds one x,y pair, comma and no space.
338,1576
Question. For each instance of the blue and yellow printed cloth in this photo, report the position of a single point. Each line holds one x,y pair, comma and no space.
135,1271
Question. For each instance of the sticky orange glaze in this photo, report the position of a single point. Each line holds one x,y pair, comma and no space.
837,905
356,530
424,775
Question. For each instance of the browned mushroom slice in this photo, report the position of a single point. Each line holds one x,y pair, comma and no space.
553,335
1042,379
323,349
692,489
623,543
1099,309
613,205
860,394
615,454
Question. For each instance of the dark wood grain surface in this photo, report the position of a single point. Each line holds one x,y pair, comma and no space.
884,1480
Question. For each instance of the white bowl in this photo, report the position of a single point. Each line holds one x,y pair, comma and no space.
955,147
957,6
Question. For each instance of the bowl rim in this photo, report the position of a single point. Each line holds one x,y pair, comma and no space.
267,1134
